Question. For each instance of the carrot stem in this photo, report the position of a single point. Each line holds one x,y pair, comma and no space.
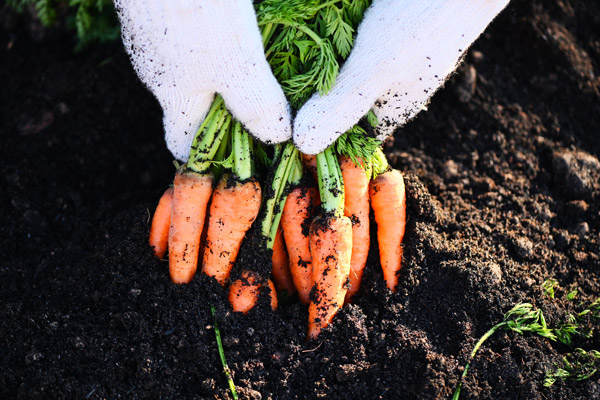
379,163
272,213
267,33
242,152
331,185
218,167
209,137
222,356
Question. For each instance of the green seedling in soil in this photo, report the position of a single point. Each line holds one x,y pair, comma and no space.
549,286
226,369
579,323
579,318
578,365
520,319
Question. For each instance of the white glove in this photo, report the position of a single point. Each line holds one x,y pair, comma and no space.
404,51
186,50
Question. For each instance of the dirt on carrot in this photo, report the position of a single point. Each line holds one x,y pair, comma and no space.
233,209
296,219
244,292
191,193
331,250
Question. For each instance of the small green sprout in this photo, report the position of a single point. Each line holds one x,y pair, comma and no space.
579,365
549,286
520,319
222,356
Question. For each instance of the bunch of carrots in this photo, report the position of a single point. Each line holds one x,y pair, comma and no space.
312,218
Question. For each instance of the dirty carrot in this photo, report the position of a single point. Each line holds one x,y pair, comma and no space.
234,207
388,199
330,247
161,221
295,221
281,265
191,193
192,189
244,292
356,207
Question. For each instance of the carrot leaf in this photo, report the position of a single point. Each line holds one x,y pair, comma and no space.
520,319
356,145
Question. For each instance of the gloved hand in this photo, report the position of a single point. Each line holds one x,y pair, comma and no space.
404,51
186,50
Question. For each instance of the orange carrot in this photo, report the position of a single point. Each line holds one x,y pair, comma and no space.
295,222
161,221
281,265
331,249
234,207
356,207
191,192
243,293
388,199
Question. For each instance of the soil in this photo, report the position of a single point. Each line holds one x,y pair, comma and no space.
502,175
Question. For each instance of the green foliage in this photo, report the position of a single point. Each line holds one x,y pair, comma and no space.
92,20
579,319
578,365
523,318
306,40
520,319
95,21
372,119
356,144
581,322
549,286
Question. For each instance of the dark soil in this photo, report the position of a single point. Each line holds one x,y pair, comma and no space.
503,193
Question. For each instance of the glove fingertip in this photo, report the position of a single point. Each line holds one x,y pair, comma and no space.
182,117
178,142
268,119
310,138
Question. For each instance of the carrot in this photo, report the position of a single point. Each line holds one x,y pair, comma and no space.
234,207
388,199
331,249
161,221
356,207
295,222
192,189
281,265
243,293
191,192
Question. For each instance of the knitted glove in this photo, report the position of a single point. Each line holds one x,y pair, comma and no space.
185,51
404,51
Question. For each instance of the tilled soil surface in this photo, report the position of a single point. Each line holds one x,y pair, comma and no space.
503,184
